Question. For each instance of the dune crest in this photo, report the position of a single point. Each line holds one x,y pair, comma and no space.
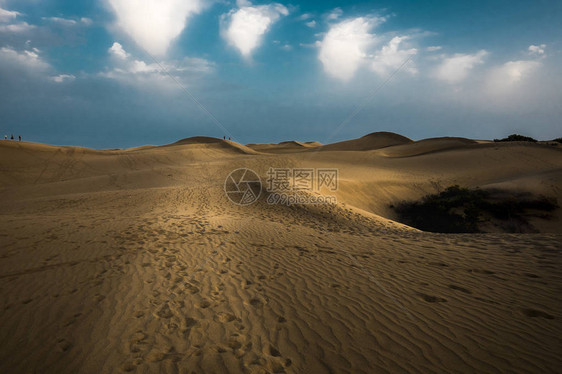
210,141
372,141
284,147
425,146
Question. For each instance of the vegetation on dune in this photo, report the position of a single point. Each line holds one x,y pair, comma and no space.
516,138
558,140
464,210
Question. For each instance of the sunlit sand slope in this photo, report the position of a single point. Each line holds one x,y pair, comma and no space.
136,261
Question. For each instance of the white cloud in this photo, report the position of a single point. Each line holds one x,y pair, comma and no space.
456,68
537,50
344,47
188,64
308,18
434,48
286,47
514,86
153,24
29,63
63,78
69,21
16,27
118,51
390,57
148,75
244,28
61,21
510,74
310,45
515,71
304,16
335,14
8,15
27,59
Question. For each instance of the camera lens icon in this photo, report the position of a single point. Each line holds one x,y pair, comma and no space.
243,186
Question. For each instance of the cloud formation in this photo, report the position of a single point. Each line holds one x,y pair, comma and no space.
69,21
334,14
63,78
153,24
7,25
136,72
391,57
345,46
117,50
8,15
433,48
350,44
456,68
506,78
28,59
19,27
537,50
515,71
29,63
244,28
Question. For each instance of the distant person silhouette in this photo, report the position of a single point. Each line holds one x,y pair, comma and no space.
12,137
224,137
5,137
229,138
20,138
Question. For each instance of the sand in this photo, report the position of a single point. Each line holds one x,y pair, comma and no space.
136,261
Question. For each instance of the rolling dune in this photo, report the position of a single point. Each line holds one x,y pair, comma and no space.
136,261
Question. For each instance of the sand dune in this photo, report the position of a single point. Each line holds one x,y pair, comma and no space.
375,140
136,261
427,146
284,147
214,143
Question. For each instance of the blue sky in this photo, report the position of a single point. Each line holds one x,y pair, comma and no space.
121,73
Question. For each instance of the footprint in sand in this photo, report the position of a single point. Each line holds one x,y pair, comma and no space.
530,275
481,271
64,345
440,264
432,299
165,312
225,317
255,302
533,313
274,351
128,366
458,288
190,322
234,344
